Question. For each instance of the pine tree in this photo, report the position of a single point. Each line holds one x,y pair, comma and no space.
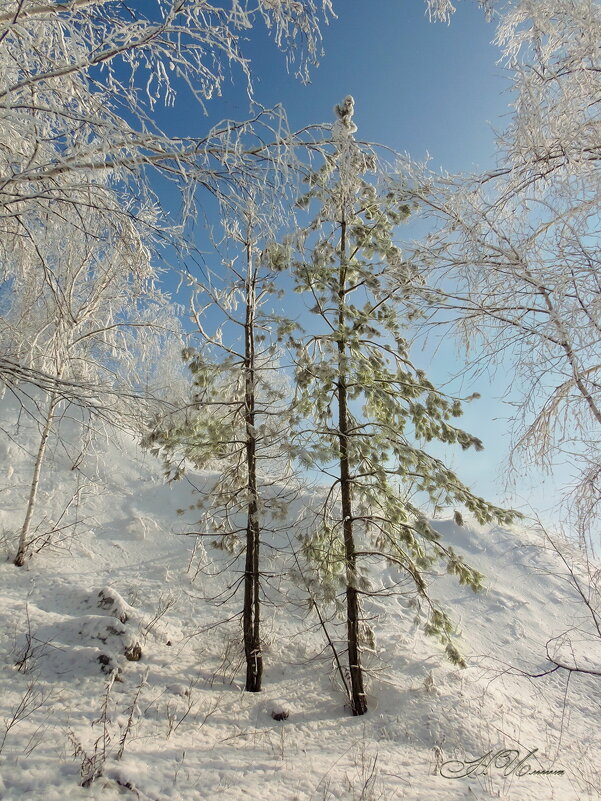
368,410
239,420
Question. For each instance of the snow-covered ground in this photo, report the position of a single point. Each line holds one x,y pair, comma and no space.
177,724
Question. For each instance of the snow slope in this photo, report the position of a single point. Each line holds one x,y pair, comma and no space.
123,579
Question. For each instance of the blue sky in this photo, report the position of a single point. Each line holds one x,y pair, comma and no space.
421,88
418,86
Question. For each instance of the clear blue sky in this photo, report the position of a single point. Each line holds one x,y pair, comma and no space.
421,88
418,86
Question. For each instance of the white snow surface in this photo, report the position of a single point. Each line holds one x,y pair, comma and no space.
195,734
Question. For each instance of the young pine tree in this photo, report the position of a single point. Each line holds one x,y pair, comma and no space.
239,420
368,410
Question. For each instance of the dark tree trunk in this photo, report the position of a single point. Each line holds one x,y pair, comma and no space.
353,607
252,603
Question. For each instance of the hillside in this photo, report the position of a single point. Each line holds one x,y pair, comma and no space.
125,578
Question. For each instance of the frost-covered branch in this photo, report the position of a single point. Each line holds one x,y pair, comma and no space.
514,252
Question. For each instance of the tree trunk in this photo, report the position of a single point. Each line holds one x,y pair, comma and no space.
353,607
252,603
22,555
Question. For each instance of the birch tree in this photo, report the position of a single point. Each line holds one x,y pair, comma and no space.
360,394
81,85
73,73
515,252
85,312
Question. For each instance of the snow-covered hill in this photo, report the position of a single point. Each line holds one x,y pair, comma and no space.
77,702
